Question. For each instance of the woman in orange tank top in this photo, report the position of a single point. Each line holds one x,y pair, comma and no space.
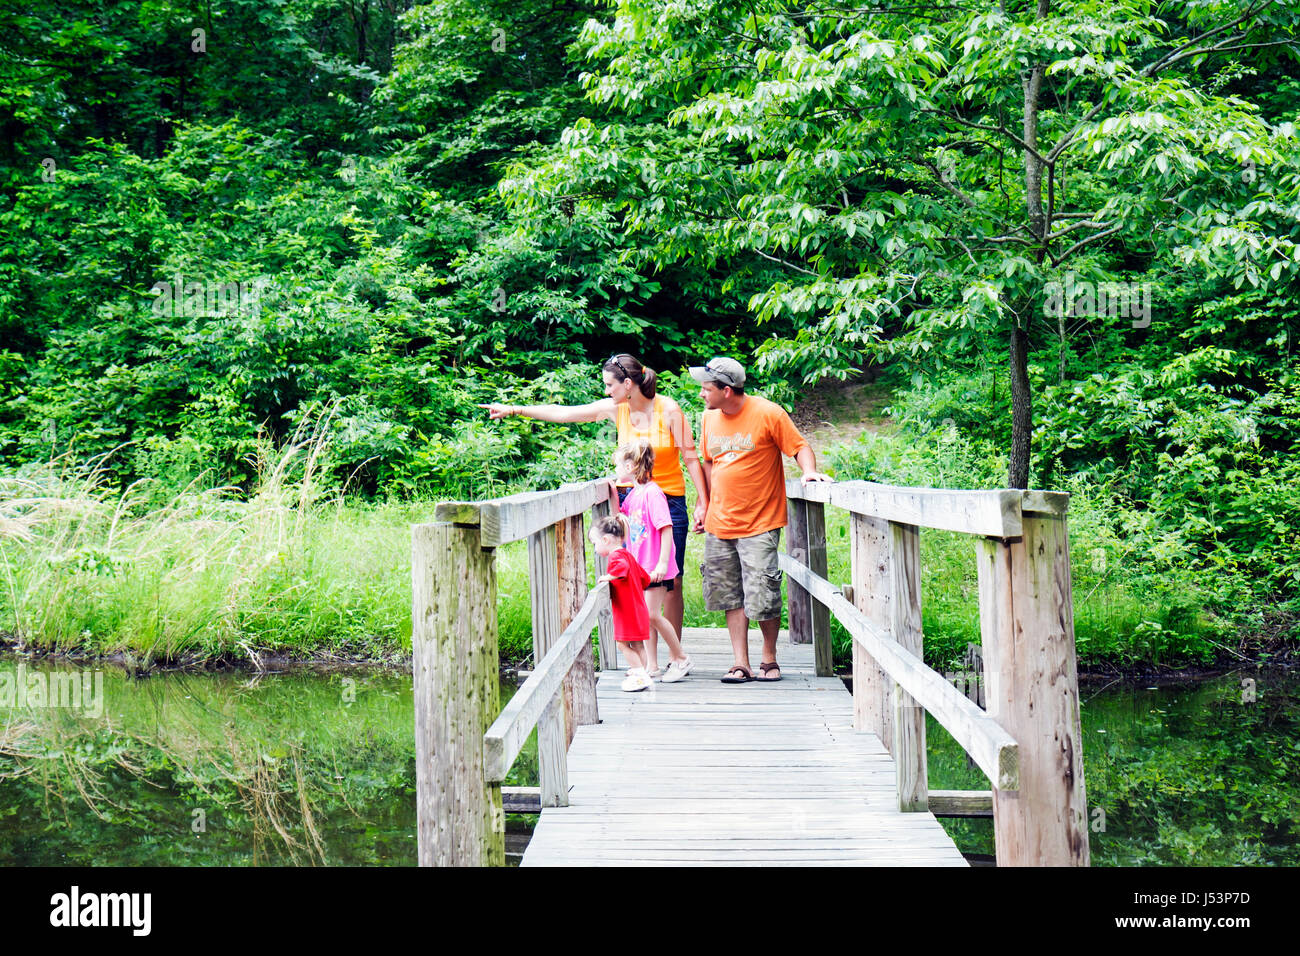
638,412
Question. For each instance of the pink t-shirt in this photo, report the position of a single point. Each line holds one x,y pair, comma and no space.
646,508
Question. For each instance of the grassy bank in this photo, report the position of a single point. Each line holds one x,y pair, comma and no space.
295,568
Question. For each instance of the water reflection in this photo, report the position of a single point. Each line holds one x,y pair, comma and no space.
1190,774
319,768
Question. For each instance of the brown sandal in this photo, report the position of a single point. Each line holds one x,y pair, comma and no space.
769,666
738,669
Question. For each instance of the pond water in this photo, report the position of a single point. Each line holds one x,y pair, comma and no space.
225,768
1192,774
305,767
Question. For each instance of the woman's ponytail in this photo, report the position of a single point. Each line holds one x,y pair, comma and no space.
647,382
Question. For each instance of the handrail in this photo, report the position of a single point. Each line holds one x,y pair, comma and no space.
508,733
997,513
502,520
993,749
1027,742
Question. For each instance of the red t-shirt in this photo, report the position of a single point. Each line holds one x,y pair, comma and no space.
627,596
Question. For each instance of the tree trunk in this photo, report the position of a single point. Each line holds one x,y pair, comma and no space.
1022,419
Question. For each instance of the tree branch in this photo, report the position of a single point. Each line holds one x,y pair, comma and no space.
1150,70
789,265
1078,225
1001,130
1174,55
1057,260
943,181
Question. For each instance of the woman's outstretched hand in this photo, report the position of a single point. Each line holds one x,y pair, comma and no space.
497,410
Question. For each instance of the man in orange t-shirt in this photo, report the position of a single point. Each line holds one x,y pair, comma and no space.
742,437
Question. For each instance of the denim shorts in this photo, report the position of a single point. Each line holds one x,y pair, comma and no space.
681,524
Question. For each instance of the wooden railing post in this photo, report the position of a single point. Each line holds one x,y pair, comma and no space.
605,629
552,745
821,614
459,817
905,628
873,704
1031,689
796,545
805,542
580,683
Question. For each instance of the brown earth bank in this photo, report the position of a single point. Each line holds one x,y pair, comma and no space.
264,663
1283,655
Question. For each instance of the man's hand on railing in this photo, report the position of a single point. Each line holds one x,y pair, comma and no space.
808,476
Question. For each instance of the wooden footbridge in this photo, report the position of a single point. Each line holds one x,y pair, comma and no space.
796,772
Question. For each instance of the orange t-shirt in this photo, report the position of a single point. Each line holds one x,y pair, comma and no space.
747,485
658,431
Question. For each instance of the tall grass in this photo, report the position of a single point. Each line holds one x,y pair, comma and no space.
294,567
203,573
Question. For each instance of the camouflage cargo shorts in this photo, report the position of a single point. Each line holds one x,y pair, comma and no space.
743,572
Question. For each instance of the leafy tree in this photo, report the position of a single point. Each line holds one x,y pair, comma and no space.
921,181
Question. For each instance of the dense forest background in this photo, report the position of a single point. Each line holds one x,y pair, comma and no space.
1059,232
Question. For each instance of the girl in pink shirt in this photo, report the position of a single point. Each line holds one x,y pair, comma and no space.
651,542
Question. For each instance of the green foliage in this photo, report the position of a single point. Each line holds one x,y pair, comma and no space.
1140,594
447,204
862,182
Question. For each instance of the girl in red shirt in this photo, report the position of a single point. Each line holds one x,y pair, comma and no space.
627,584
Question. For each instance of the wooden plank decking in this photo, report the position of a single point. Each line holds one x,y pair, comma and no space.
710,774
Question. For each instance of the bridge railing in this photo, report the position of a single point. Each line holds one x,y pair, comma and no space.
1027,741
464,747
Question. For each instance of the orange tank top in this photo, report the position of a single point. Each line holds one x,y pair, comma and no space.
668,467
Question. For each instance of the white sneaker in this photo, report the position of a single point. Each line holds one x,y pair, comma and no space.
637,679
677,670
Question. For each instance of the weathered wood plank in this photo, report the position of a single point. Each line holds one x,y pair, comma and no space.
519,515
454,663
905,628
961,803
821,615
1031,688
796,545
521,799
872,579
509,732
544,592
580,683
1046,502
607,646
995,513
700,772
992,747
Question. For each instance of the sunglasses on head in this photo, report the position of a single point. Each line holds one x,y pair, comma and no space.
614,359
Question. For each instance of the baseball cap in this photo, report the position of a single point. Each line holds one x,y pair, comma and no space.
724,371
